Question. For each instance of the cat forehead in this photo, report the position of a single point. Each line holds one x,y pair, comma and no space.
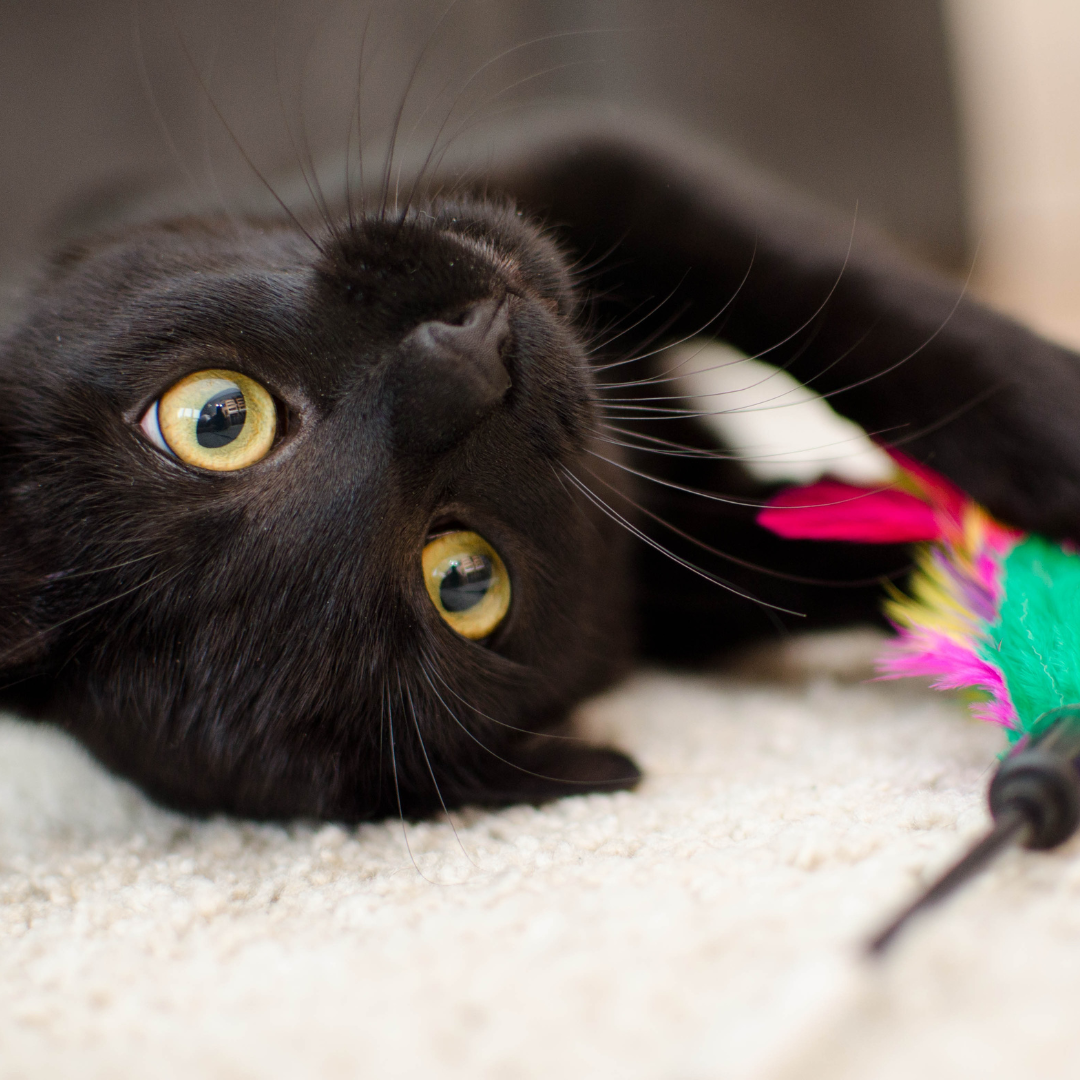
479,239
151,253
403,265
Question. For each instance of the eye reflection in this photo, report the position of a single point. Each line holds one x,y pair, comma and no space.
467,583
221,419
215,419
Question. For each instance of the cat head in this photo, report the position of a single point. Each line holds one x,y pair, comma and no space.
285,520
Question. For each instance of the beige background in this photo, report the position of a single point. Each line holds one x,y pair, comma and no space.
1018,66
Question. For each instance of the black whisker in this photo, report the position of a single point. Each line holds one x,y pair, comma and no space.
303,161
542,39
45,632
152,100
69,575
600,346
235,140
466,123
657,380
395,129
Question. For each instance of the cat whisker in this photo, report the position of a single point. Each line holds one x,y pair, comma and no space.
467,122
772,348
688,412
431,771
948,418
656,545
687,452
487,749
914,352
152,100
489,63
600,346
491,719
746,564
256,171
395,130
653,337
357,118
401,811
389,714
70,575
112,599
731,363
673,449
638,357
118,596
46,631
671,376
305,161
762,407
727,500
584,272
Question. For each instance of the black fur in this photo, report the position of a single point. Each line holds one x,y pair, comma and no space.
261,642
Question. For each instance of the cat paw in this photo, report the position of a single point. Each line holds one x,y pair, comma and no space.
555,768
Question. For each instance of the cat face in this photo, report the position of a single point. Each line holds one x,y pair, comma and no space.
286,527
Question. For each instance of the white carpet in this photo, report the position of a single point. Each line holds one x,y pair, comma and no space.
705,926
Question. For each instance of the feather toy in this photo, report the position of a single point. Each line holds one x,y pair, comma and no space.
989,610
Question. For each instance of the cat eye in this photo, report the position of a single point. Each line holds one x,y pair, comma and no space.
214,419
467,583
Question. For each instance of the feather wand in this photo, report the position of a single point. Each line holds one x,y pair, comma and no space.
989,610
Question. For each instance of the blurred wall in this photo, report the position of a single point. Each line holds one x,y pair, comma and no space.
850,99
1019,83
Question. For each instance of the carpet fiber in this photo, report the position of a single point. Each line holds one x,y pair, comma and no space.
704,926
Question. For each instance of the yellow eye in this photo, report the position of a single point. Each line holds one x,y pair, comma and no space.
214,419
467,583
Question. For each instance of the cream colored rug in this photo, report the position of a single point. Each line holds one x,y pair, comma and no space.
708,925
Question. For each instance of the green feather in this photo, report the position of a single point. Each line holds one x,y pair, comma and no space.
1036,639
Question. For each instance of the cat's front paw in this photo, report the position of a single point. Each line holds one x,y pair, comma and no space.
552,768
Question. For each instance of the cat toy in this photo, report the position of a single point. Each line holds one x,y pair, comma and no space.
989,610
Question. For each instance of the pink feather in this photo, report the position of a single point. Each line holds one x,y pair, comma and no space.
966,558
833,510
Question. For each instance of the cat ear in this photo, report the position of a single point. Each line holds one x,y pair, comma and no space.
553,768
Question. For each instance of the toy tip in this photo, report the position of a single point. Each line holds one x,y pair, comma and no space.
1010,827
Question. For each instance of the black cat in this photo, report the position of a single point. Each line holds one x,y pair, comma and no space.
339,515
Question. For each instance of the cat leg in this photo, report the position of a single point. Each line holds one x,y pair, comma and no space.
702,244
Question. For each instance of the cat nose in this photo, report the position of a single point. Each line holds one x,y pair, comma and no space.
451,375
476,338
